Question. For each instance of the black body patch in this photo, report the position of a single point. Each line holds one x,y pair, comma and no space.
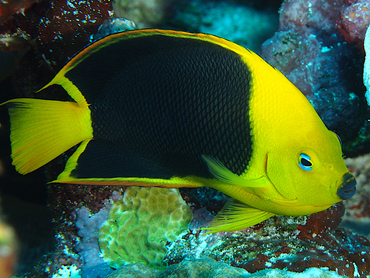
160,103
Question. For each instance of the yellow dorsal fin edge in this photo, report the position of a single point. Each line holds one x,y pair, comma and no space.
68,85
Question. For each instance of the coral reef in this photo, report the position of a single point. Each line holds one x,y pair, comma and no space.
311,16
113,25
310,52
9,8
311,48
63,27
207,267
66,28
353,22
41,38
143,12
291,243
366,75
74,208
193,268
88,225
139,226
243,24
357,215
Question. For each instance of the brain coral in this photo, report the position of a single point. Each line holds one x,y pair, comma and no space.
140,224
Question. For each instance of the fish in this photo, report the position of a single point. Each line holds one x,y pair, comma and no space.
175,109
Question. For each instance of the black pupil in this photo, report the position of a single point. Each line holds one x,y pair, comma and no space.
305,162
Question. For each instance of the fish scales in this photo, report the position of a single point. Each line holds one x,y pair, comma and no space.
171,109
175,109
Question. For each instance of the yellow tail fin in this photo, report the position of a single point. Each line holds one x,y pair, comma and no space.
40,130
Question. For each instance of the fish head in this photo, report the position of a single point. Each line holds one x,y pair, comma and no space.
310,170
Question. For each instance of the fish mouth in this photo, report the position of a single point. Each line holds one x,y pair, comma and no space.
347,187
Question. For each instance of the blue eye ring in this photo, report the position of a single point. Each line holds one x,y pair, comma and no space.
304,161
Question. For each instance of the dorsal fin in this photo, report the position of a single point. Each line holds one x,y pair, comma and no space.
84,76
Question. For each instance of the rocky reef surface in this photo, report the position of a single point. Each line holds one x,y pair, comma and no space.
317,44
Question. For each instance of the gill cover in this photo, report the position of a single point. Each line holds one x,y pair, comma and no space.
311,177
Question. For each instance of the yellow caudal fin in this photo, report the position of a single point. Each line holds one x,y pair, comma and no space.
40,130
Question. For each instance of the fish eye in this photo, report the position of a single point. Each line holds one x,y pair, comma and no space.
305,162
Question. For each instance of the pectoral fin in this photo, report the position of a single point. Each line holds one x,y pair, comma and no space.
261,186
235,216
222,173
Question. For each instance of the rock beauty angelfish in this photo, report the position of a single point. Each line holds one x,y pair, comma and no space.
176,109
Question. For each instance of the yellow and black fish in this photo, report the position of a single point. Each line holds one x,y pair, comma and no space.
175,109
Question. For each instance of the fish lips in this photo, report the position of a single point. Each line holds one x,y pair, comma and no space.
347,187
